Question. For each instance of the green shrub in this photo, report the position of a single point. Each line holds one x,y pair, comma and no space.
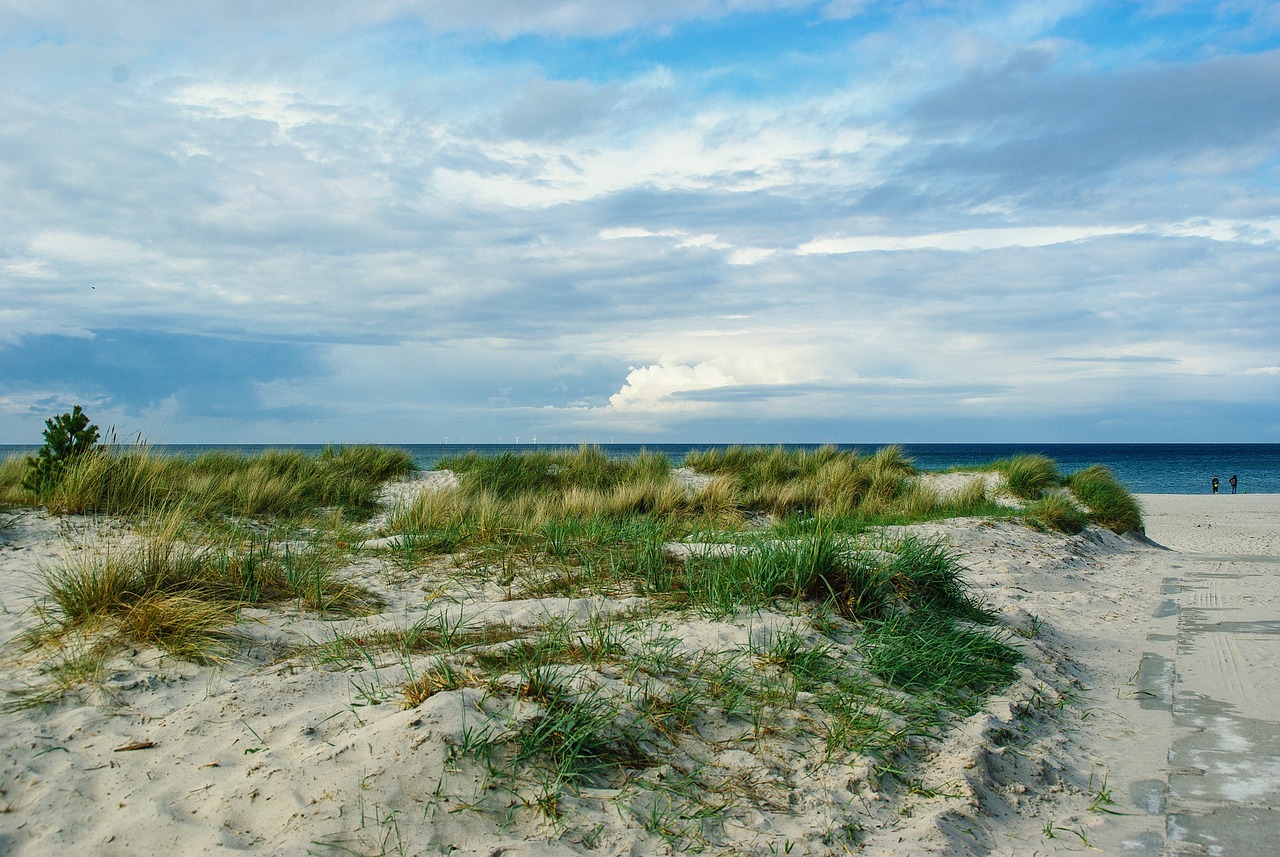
67,437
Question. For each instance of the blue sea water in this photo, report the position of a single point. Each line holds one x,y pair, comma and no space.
1145,468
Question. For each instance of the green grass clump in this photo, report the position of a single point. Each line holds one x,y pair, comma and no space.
178,589
1029,476
577,734
1110,504
511,475
278,483
825,481
859,582
1057,512
929,652
13,470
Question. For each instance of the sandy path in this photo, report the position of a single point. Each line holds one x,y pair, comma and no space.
1182,670
1223,785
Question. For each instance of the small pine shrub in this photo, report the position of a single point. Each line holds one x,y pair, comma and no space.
67,437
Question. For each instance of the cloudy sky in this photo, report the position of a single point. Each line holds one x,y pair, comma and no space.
641,220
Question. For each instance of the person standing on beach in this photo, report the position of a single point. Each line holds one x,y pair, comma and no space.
1232,483
1215,483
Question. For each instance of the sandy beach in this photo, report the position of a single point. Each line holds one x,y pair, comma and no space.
1144,720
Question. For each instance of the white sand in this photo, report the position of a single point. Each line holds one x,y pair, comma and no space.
274,755
1168,657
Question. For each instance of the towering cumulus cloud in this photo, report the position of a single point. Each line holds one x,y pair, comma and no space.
662,385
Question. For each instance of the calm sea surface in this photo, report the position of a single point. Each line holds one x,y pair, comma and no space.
1146,468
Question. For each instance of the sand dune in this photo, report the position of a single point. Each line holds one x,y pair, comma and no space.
1148,688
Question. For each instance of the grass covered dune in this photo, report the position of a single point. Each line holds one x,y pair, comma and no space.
751,651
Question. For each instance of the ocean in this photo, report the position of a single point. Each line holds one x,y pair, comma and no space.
1145,468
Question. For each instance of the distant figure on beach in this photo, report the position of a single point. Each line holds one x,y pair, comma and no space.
1215,484
1232,483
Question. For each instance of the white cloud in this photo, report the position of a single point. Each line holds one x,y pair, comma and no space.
965,239
658,387
1262,231
681,239
83,249
1254,232
749,255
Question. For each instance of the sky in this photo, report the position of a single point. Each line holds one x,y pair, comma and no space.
755,221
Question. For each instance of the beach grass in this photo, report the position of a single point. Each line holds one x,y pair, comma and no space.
1057,512
135,479
876,638
825,481
178,587
1110,504
558,523
1030,475
13,470
929,652
535,500
511,475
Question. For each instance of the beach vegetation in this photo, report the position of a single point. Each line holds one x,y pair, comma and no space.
511,475
865,638
1057,512
1110,504
602,702
1030,475
67,437
78,664
930,652
8,519
574,504
436,678
176,587
823,481
13,471
135,479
